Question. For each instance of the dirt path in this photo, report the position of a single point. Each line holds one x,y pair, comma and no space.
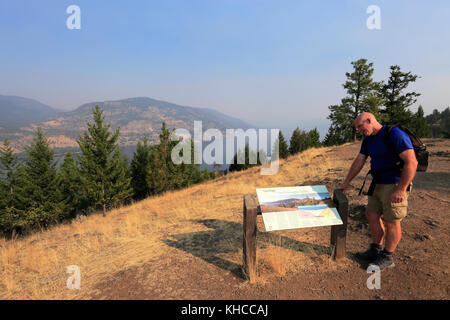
194,266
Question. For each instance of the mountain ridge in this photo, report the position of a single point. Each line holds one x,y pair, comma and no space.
19,111
136,117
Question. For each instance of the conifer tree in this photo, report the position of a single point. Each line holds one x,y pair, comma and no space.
362,95
8,164
70,185
140,167
8,188
120,190
439,123
163,174
43,199
192,173
245,155
312,139
103,171
339,131
395,101
419,124
298,138
280,148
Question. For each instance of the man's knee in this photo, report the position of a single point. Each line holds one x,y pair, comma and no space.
392,224
373,217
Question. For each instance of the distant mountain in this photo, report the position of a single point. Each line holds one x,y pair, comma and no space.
18,111
135,116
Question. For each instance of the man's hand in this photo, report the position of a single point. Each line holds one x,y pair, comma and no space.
398,196
343,187
356,167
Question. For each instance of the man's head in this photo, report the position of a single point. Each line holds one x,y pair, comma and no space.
366,124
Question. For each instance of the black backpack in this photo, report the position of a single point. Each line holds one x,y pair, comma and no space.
420,148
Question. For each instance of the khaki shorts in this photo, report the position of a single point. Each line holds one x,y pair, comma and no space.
380,203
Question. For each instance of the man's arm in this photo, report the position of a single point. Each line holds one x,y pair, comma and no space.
356,167
408,172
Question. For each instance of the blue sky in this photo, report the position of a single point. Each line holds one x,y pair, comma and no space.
270,63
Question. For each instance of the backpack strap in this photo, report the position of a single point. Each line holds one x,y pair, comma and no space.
387,140
364,183
375,178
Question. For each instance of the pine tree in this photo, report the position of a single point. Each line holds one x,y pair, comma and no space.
245,155
312,139
104,172
8,165
42,195
280,149
297,142
192,173
8,188
163,174
339,131
396,102
69,184
140,166
361,96
439,123
119,190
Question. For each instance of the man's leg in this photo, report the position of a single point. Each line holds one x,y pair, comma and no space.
376,232
393,213
393,235
376,227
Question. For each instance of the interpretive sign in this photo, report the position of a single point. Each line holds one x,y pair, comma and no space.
297,207
252,209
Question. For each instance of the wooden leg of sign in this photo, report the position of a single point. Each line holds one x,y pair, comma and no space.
249,245
339,232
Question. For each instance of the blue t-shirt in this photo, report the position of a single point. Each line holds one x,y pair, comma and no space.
381,156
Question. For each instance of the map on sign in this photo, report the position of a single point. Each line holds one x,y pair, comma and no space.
297,207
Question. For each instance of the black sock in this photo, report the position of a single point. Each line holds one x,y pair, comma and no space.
375,245
385,252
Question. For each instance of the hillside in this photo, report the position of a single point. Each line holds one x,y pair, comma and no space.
187,244
19,111
135,116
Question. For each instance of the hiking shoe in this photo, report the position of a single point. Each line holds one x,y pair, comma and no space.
383,261
371,254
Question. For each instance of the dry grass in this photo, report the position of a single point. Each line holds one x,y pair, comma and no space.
277,257
35,267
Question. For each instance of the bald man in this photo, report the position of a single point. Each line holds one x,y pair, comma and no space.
388,201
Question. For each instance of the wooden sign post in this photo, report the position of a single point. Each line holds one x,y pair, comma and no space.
249,245
251,210
339,232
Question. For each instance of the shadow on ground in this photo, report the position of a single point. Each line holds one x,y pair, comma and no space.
432,181
226,237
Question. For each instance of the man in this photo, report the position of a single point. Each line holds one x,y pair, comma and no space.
390,196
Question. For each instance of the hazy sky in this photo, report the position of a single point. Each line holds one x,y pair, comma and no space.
270,63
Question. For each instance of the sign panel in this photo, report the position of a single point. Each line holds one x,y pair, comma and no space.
297,207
